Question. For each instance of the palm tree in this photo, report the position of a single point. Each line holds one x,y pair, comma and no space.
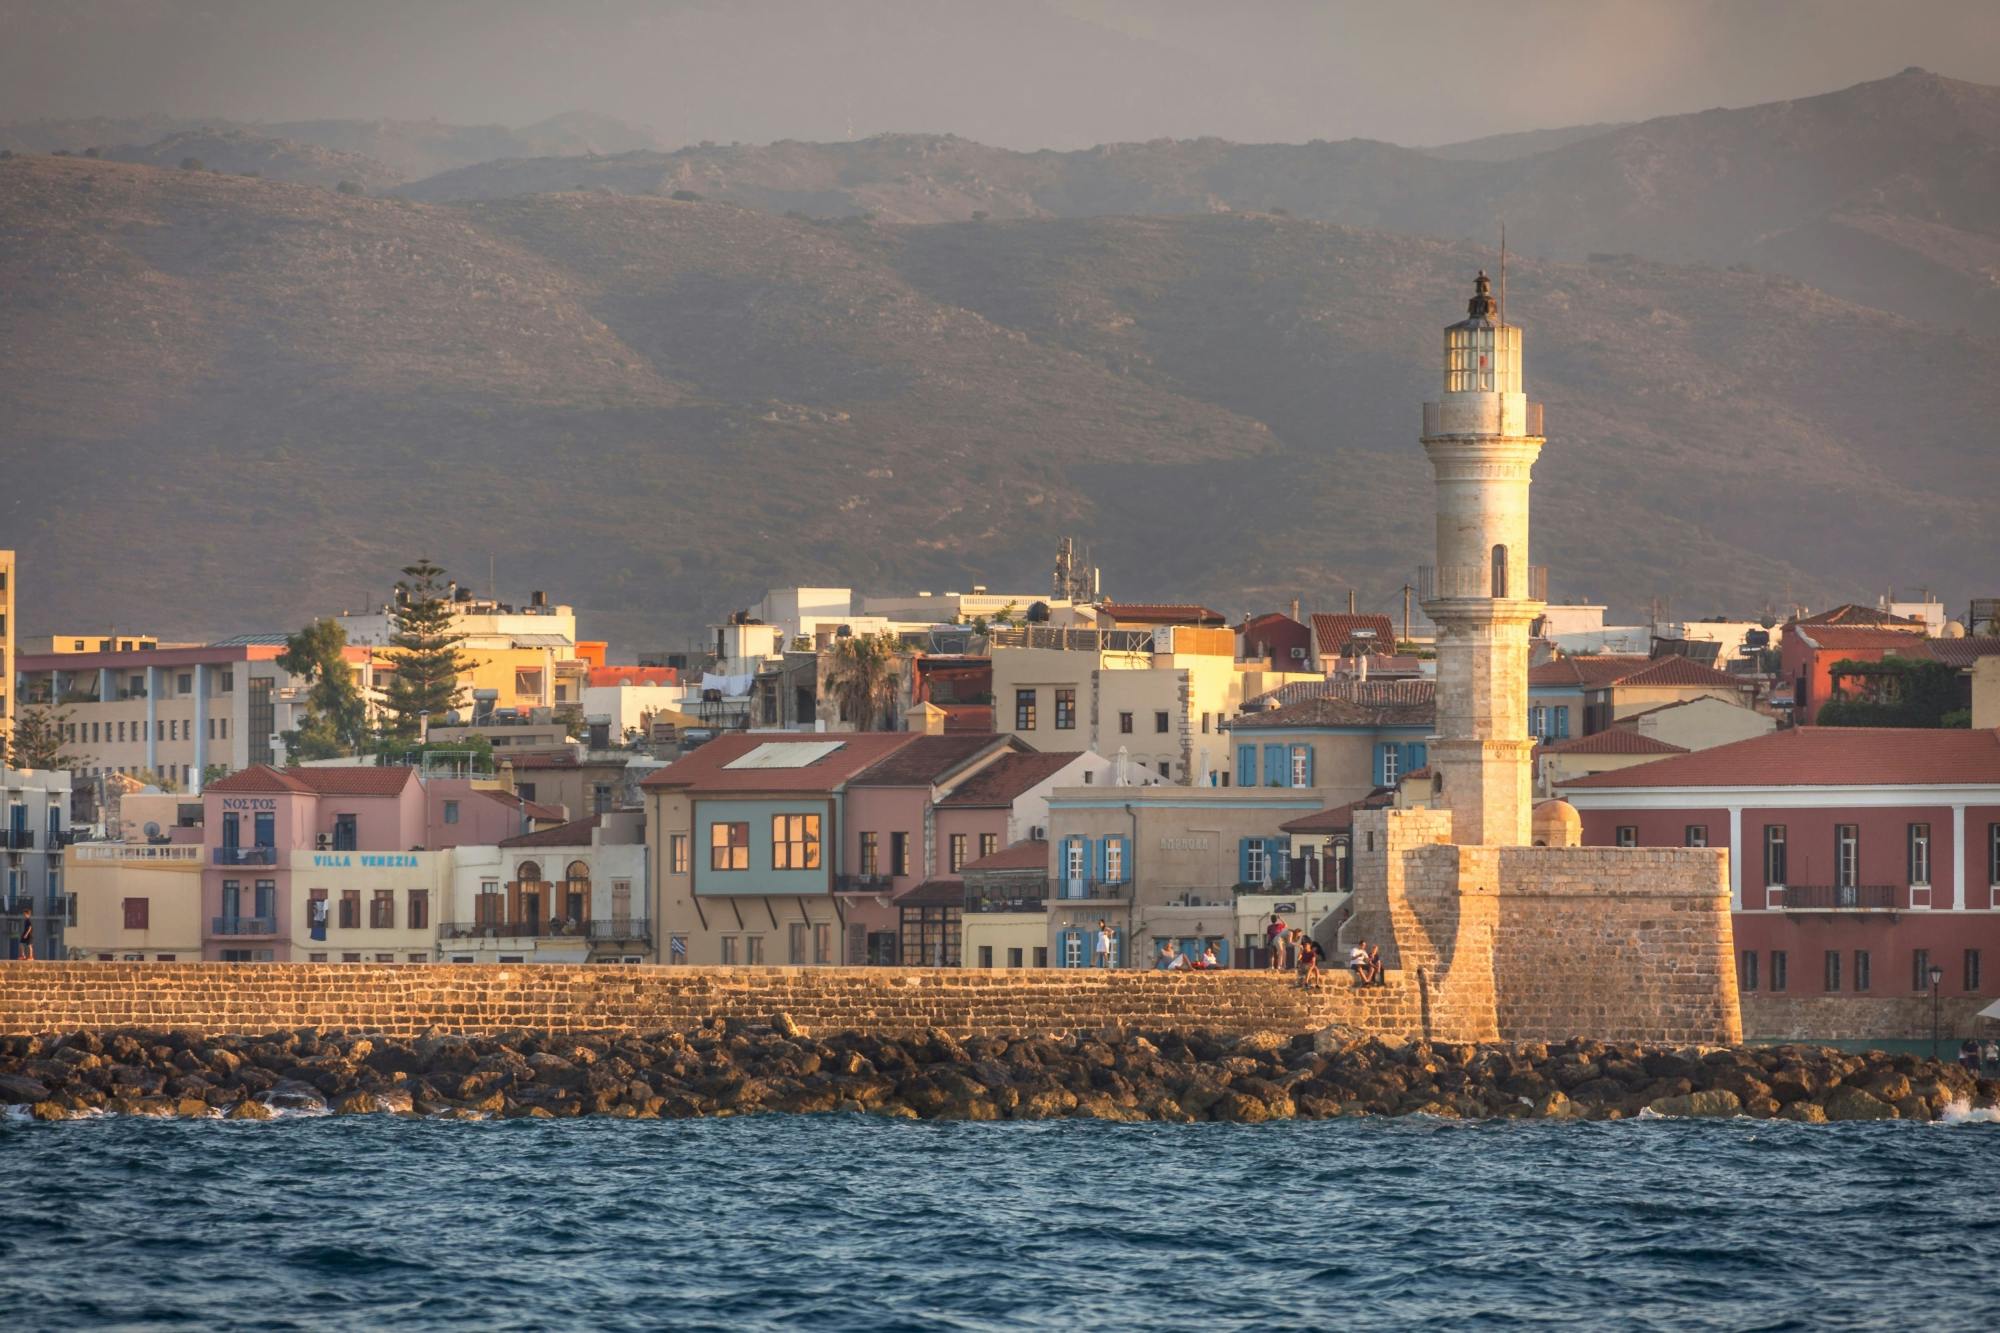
864,678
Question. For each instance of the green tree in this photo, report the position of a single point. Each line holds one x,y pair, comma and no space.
423,651
335,721
349,187
148,777
38,740
863,677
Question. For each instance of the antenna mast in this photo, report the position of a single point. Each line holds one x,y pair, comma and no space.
1503,275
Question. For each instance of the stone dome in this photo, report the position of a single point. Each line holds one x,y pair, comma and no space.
1557,824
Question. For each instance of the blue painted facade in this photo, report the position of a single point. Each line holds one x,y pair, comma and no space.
761,875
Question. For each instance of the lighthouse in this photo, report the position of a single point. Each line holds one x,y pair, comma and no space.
1482,437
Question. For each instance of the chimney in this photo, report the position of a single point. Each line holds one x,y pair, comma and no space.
1295,609
1350,601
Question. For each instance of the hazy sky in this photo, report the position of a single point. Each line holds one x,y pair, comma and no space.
1021,73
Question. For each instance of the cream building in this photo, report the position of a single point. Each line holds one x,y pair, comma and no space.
575,893
380,907
136,901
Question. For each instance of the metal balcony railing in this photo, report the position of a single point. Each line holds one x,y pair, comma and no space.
863,883
1531,424
178,853
243,925
1434,583
1086,889
17,839
621,928
1838,897
246,856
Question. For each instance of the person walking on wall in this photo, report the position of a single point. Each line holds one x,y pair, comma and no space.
27,937
1103,958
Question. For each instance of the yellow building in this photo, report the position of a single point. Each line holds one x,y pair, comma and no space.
1986,693
136,902
380,907
92,642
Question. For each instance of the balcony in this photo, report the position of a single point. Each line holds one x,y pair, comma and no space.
524,930
157,853
243,925
1530,424
1002,898
1084,890
17,839
1837,897
863,883
246,856
621,928
1434,584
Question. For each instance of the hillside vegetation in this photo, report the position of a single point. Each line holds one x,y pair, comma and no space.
232,402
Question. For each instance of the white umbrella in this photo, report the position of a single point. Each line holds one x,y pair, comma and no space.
1990,1011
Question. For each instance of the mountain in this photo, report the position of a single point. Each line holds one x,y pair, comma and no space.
232,403
243,154
1519,144
406,149
1887,193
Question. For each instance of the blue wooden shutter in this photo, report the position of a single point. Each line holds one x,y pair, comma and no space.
1277,856
1381,763
1274,765
1562,721
1222,953
1243,860
1246,765
1414,755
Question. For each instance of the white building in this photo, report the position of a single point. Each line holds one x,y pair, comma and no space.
34,830
571,894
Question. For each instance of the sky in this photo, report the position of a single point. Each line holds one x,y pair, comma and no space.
1015,73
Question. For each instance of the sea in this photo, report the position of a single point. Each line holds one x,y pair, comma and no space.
855,1222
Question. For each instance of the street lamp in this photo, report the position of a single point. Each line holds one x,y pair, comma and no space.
1937,975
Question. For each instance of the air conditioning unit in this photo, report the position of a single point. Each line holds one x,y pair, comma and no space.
1298,653
1039,833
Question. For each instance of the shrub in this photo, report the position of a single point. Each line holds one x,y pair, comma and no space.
349,187
685,196
192,164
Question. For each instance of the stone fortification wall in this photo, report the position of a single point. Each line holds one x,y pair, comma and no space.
1623,943
1810,1018
254,998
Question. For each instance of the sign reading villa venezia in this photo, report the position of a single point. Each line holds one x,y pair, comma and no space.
373,861
1183,844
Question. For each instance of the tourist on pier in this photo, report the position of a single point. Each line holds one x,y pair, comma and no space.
1374,966
27,935
1103,958
1208,959
1357,963
1274,940
1968,1054
1309,952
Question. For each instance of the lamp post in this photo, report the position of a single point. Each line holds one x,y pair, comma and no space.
1937,975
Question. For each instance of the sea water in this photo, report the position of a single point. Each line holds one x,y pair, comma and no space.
851,1222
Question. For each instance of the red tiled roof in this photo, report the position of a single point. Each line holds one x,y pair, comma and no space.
1337,712
1963,652
1162,613
935,893
343,780
1269,617
927,759
1584,670
634,675
1823,757
533,809
966,717
1677,670
1860,636
1331,633
705,770
1003,781
1618,740
576,833
1335,818
1851,614
1375,693
1027,854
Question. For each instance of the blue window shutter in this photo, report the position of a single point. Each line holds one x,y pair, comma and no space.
1381,765
1413,756
1243,860
1118,946
1222,953
1246,765
1562,721
1276,757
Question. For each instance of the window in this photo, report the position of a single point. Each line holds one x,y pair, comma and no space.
1861,969
420,958
1920,969
1114,860
1920,853
797,938
420,910
899,853
753,949
1024,710
1993,855
1777,969
137,913
350,909
321,958
986,955
600,798
728,846
1774,854
1538,720
1846,856
871,855
350,958
121,731
451,812
1166,769
1072,949
1065,710
1160,723
1833,969
1971,971
677,854
385,958
957,854
1073,858
1697,835
346,835
1302,766
1628,835
1041,955
823,942
1562,721
728,950
1204,724
795,842
989,843
1254,862
382,910
1391,762
1125,724
1499,571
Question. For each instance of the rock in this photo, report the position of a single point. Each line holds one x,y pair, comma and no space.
1261,1043
287,1095
1553,1105
1850,1103
251,1110
1714,1102
785,1025
1889,1087
357,1103
16,1089
1807,1113
397,1101
1240,1110
192,1108
46,1110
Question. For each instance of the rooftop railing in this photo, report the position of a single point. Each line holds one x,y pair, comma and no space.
174,853
1838,897
863,883
243,925
246,856
1074,640
1434,583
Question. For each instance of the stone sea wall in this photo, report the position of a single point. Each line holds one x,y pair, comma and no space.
1768,1017
406,1000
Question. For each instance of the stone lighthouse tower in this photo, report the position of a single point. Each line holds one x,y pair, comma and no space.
1482,436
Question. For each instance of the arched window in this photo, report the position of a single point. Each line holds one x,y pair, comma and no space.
1499,571
576,896
529,872
526,903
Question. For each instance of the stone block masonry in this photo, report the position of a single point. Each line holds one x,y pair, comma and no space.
472,999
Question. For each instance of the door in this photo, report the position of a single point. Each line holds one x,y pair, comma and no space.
345,837
232,830
267,829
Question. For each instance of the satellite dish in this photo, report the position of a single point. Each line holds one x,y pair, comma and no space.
152,828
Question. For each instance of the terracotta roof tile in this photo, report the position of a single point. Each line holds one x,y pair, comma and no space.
926,760
258,777
1851,614
533,809
1678,671
1027,854
1618,740
1963,652
1584,670
1860,636
342,780
1162,613
1334,712
1331,633
704,770
1822,757
1377,693
1002,782
633,675
1336,818
576,833
935,893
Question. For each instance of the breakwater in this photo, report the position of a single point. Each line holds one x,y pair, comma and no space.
732,1068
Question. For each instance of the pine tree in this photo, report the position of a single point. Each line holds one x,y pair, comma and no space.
336,716
38,741
423,652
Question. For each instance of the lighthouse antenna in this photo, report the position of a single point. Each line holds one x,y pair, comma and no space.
1503,275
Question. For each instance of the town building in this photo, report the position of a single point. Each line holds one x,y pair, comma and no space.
1809,648
572,893
34,835
1859,857
1343,737
1558,762
1275,641
175,711
1986,693
137,901
1339,636
517,652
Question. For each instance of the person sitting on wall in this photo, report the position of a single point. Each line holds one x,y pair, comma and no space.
1165,962
1309,955
1357,963
1374,966
1208,959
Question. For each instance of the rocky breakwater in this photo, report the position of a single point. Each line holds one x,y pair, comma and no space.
737,1068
